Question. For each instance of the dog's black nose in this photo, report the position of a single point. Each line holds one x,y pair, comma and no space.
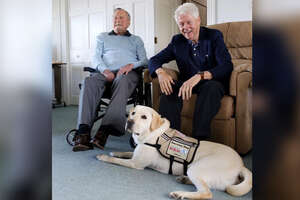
129,124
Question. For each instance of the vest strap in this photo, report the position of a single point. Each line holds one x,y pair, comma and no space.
185,166
171,164
156,145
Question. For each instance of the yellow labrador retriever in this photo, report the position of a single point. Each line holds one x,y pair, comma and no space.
215,166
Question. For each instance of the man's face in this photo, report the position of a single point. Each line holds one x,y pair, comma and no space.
121,21
189,26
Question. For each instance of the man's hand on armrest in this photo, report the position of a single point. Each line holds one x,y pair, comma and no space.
165,81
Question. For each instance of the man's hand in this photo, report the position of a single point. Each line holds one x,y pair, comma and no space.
165,81
186,89
109,75
125,69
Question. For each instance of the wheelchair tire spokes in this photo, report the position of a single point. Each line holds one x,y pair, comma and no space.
69,137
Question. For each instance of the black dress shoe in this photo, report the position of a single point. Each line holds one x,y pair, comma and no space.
82,142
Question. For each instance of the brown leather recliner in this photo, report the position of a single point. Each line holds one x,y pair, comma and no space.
233,123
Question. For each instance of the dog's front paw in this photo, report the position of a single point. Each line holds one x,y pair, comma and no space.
103,157
177,195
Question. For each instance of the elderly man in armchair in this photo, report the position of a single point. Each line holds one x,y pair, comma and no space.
204,65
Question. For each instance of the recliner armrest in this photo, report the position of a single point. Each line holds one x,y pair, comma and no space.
242,68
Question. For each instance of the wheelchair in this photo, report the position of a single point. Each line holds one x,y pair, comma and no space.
140,96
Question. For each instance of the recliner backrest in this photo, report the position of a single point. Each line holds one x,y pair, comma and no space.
238,39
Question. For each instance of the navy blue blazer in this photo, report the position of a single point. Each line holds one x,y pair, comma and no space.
211,55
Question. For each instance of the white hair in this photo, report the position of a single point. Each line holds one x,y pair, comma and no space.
115,10
186,8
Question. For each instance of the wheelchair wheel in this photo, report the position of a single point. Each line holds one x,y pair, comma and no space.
69,137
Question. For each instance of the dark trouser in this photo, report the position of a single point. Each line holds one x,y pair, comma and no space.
209,95
90,96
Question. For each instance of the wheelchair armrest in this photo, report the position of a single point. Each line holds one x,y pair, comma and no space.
140,69
89,69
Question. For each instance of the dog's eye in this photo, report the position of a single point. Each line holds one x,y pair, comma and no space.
132,113
144,117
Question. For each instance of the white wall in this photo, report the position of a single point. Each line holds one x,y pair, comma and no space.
233,10
59,42
59,31
56,31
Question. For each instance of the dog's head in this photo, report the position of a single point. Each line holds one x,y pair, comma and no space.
142,121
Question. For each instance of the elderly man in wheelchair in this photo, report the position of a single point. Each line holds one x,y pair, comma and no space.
119,56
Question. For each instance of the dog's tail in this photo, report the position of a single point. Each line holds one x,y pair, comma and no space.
243,187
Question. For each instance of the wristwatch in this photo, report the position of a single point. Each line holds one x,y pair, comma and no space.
201,74
159,70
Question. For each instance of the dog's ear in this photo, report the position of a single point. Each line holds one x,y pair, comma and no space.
156,122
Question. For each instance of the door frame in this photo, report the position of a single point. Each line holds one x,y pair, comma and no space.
64,55
211,12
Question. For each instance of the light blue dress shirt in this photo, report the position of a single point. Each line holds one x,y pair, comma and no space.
115,51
